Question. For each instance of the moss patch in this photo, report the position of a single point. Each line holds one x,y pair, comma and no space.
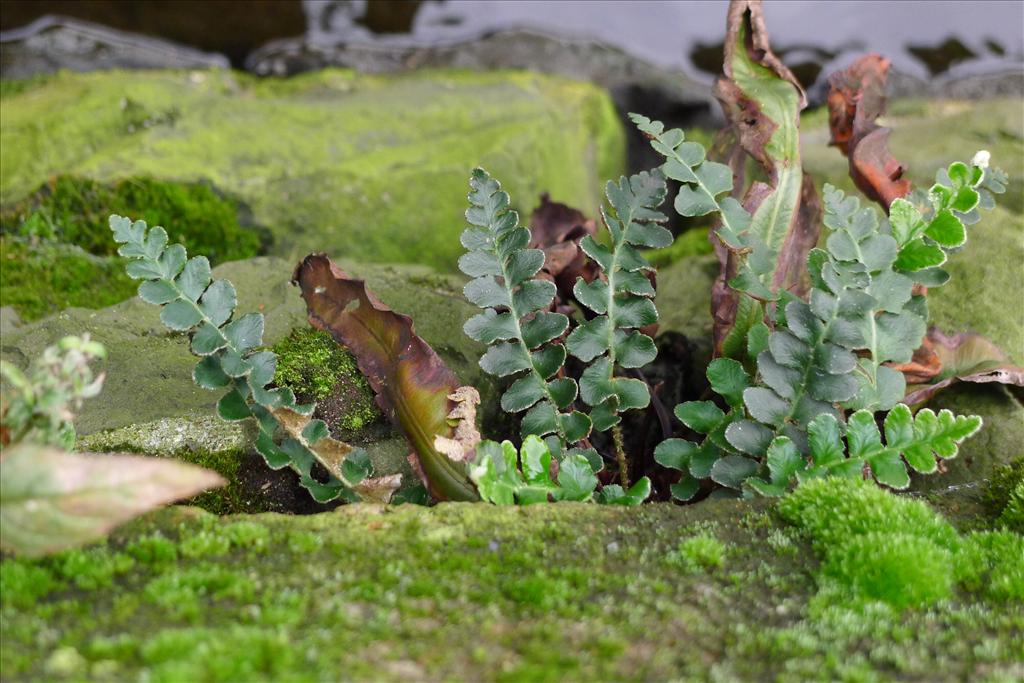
57,251
75,211
316,368
1004,495
880,547
38,279
471,592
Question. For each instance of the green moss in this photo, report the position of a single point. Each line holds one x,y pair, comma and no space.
154,549
901,569
832,511
315,367
56,250
1004,495
475,592
74,210
43,278
703,552
370,167
92,568
881,547
22,584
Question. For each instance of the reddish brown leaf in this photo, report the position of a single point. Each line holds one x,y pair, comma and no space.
411,382
856,98
963,357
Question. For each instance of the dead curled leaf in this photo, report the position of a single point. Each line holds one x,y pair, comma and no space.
411,381
789,220
856,98
51,500
962,357
461,447
557,229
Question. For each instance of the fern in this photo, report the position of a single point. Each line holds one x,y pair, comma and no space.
230,361
522,334
622,300
705,189
910,440
506,477
832,351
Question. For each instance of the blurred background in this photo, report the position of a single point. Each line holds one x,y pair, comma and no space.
925,39
350,126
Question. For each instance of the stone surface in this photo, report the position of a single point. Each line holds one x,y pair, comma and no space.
52,43
372,168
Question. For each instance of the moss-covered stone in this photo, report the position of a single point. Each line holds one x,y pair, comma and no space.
149,368
471,592
56,249
367,167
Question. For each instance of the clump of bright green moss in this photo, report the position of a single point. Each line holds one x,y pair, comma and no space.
702,552
318,369
877,546
55,245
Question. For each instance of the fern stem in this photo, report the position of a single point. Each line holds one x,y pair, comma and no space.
620,455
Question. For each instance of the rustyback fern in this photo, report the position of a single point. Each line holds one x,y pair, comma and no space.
833,351
621,299
522,334
911,442
230,361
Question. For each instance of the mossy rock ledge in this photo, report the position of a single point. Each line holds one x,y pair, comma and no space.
149,403
374,168
471,592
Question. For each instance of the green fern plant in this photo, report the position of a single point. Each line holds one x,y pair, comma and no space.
622,301
521,333
231,361
504,476
831,352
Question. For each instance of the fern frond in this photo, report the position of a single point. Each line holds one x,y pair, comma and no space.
515,323
192,302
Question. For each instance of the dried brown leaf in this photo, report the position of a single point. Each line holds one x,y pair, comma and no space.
963,357
461,447
762,100
411,381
